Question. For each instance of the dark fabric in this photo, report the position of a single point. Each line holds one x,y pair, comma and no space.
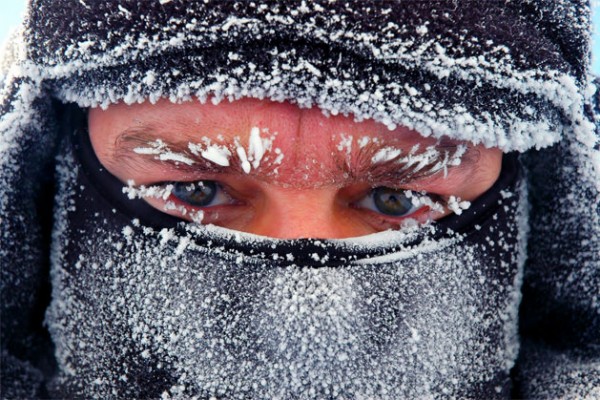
114,284
559,315
391,49
26,222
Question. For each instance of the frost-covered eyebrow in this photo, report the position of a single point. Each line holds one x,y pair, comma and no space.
358,167
410,165
133,138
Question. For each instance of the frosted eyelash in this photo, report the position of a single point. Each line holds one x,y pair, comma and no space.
162,192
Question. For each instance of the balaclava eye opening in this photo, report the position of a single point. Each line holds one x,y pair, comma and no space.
309,251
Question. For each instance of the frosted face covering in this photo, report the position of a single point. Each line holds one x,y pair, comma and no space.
146,307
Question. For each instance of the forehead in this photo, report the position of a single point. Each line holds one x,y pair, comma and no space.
314,146
290,125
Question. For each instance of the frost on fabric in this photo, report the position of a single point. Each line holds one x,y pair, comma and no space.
457,206
534,99
559,374
205,318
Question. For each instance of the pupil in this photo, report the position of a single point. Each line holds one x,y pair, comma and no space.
391,202
197,194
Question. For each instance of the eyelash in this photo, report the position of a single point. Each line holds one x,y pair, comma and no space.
415,202
215,192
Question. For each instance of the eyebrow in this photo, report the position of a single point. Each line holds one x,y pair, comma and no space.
360,168
135,137
398,170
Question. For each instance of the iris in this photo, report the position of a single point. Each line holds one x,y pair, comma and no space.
392,202
199,194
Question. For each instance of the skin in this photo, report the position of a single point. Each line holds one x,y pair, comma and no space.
307,194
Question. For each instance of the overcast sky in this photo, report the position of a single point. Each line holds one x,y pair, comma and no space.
13,9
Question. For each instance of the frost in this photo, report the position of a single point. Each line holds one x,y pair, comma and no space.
363,141
188,296
222,322
419,200
124,10
386,154
392,103
157,192
456,205
345,143
150,78
160,149
127,231
256,149
431,159
422,30
156,147
245,164
217,154
280,156
178,157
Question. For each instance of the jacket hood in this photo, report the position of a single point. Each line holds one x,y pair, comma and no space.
506,74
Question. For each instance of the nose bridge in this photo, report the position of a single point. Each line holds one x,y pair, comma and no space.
292,214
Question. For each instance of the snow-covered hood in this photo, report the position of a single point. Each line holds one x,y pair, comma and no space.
504,74
509,74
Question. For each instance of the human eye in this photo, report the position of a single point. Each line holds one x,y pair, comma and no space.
202,201
200,194
393,206
388,201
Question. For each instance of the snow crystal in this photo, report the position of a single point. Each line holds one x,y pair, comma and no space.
217,154
150,78
456,205
178,157
142,191
345,143
255,147
386,154
156,147
159,148
280,156
245,164
127,231
363,141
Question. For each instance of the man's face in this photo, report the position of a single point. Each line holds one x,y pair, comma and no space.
277,170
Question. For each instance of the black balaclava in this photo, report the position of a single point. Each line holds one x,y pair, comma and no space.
185,311
144,306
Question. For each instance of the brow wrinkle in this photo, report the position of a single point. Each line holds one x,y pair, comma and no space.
356,167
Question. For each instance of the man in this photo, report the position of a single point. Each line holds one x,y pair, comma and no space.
301,200
277,170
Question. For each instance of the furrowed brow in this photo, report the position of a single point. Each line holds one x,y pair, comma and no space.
392,169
